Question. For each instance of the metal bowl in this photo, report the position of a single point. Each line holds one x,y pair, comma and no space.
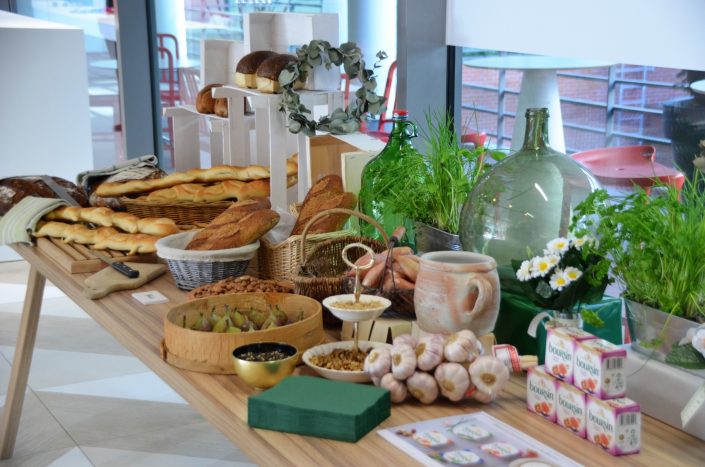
263,375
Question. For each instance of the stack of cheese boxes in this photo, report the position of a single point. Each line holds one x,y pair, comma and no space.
582,386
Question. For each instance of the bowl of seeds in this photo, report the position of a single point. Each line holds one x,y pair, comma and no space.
263,364
339,361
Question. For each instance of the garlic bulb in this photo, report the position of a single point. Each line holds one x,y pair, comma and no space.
429,353
397,389
461,348
403,361
453,380
488,374
479,349
483,397
405,339
378,362
376,380
423,387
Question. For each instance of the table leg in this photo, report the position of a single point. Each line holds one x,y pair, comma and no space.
539,88
21,363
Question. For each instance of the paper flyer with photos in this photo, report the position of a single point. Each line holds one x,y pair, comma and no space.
472,439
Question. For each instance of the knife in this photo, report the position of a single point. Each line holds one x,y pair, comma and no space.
120,267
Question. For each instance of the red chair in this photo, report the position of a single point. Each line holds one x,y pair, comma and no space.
168,89
165,40
629,165
387,93
478,139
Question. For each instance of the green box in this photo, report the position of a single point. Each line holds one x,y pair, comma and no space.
312,406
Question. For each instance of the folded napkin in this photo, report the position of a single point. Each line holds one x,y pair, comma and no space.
133,169
21,220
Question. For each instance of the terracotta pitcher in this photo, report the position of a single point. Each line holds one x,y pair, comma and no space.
457,290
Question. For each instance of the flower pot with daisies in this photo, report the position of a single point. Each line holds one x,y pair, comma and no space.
566,276
656,244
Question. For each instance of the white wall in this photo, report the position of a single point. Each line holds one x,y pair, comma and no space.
665,33
44,116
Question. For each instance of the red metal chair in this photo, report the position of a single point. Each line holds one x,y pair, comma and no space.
165,40
478,139
387,93
629,165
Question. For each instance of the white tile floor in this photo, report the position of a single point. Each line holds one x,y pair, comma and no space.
90,402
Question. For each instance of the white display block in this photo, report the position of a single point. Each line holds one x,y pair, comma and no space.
45,125
219,59
282,31
272,134
663,390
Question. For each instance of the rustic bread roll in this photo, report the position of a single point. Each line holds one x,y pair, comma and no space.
239,210
246,69
221,107
268,73
330,223
205,103
324,194
234,235
64,213
225,221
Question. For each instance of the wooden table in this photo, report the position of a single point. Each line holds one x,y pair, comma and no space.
222,400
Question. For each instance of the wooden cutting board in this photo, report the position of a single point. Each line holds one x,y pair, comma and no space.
109,280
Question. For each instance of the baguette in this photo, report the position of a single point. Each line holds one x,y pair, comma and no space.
234,235
126,222
213,174
98,216
132,243
185,192
64,213
51,229
240,209
157,226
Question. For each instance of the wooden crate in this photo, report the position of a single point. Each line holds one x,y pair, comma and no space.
77,258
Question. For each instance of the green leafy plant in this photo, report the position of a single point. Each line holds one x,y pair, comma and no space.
656,244
432,188
341,121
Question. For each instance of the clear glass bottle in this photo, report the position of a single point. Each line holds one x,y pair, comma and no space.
375,174
524,201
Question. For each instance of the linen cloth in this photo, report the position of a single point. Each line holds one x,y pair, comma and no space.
17,224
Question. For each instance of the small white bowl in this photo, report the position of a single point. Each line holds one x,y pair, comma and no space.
340,375
356,315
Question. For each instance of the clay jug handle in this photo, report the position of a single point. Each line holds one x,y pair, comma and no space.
484,293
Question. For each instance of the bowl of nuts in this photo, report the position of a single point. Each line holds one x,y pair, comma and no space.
263,364
339,361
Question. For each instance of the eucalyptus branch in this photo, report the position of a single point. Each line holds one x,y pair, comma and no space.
341,121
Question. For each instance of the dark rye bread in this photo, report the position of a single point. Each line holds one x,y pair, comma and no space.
246,68
14,189
268,72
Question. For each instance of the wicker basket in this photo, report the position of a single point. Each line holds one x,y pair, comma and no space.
322,270
194,268
181,212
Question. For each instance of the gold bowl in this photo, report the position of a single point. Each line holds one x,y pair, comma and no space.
264,374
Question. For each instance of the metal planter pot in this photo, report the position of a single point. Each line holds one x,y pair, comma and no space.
430,239
647,324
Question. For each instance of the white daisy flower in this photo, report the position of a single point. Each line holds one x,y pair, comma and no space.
524,271
699,341
553,259
578,243
558,246
558,280
572,274
540,266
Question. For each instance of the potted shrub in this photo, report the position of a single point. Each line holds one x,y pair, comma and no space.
656,246
432,187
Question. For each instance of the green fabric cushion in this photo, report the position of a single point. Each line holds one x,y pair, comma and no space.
319,407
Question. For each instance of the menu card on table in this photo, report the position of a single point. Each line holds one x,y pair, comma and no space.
472,439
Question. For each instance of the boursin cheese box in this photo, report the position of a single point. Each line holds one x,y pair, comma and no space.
599,369
571,408
614,425
541,393
561,345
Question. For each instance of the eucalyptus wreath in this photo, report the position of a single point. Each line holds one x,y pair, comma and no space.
341,121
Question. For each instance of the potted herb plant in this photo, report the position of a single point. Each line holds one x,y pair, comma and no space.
656,246
432,187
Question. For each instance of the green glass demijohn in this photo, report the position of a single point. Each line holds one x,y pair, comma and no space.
524,201
374,192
